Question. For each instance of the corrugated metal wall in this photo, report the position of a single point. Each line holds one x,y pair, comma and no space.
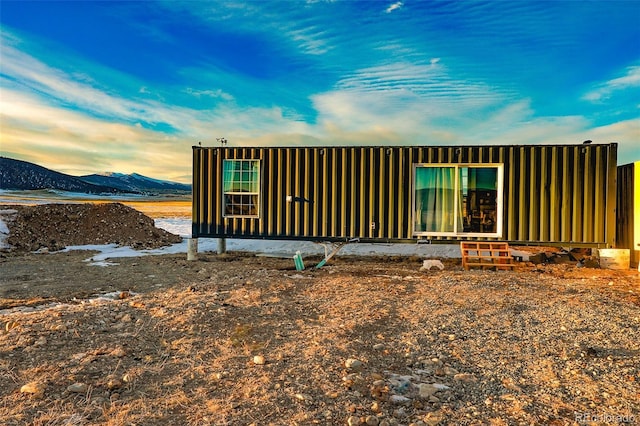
552,194
628,208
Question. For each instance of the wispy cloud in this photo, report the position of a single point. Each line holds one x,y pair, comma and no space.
25,77
430,83
209,94
394,6
310,40
64,89
49,117
601,92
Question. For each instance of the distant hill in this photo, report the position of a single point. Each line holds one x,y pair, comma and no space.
135,182
22,175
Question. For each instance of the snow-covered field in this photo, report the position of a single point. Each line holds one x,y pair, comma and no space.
182,227
283,248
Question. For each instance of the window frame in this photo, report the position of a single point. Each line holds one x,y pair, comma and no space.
257,184
499,200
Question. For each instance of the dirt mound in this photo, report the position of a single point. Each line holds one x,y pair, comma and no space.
55,226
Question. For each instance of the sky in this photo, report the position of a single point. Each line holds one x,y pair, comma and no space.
117,86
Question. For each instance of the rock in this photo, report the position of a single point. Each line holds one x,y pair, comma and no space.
449,371
399,413
118,352
354,421
303,397
113,383
353,364
378,389
378,347
511,385
371,421
126,318
99,401
432,419
33,388
41,342
259,360
399,399
401,384
426,390
78,388
464,377
431,263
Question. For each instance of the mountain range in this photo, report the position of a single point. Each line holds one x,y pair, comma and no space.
23,175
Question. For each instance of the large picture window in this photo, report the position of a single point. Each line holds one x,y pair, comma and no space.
241,188
457,199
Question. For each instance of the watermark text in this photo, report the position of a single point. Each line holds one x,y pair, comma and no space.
604,418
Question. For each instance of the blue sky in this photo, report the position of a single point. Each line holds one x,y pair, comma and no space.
128,87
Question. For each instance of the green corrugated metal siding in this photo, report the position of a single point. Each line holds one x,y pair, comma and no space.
552,194
628,209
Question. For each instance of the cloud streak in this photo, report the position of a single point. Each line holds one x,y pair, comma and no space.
629,81
395,6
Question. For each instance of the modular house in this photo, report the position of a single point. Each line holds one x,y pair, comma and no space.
525,194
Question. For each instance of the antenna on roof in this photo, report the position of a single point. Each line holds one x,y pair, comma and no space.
587,142
222,141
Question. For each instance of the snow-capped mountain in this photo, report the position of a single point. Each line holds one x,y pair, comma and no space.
22,175
135,182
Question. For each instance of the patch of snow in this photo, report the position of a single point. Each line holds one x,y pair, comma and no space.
178,226
101,298
182,227
4,228
286,248
4,234
114,295
102,263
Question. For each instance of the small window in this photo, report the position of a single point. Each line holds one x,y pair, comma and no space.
457,199
241,188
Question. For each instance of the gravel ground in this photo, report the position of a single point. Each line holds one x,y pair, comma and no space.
240,340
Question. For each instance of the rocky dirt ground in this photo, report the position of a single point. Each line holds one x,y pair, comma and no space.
238,340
